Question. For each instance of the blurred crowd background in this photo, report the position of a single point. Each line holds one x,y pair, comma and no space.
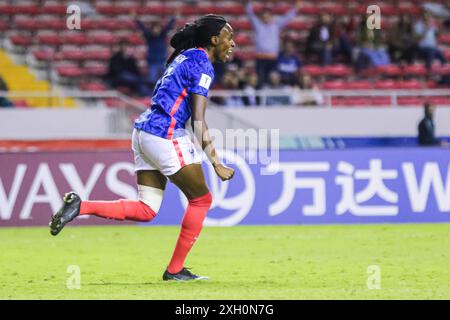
314,45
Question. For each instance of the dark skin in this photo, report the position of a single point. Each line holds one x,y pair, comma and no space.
190,179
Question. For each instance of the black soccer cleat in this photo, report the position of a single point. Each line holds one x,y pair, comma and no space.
183,275
69,211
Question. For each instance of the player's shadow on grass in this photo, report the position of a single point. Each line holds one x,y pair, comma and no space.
123,284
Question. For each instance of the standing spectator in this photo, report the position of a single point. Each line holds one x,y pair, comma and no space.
319,41
267,38
426,31
288,63
156,37
123,71
4,102
341,37
401,44
426,128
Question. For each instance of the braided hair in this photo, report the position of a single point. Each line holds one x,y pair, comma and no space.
196,34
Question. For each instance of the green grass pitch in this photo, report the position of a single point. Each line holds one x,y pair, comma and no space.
273,262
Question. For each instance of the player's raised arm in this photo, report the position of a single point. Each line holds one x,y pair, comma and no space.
201,132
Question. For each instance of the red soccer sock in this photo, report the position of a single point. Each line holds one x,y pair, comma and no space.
118,210
190,229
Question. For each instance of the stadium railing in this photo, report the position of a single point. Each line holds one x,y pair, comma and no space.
116,99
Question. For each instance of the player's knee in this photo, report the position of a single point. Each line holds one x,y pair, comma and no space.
152,197
202,201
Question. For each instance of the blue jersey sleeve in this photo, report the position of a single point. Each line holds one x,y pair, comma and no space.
200,77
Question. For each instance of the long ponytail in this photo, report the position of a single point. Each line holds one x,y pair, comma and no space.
196,34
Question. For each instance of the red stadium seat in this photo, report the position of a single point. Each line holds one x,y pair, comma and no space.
313,70
281,8
358,85
299,25
19,103
440,69
231,9
245,55
410,84
54,24
437,100
73,55
335,9
338,70
6,9
93,86
135,40
385,84
389,70
3,26
50,39
27,24
44,55
57,9
103,39
241,24
30,9
155,10
410,101
69,71
415,69
19,40
350,101
445,38
381,101
99,54
243,39
95,70
334,85
310,10
75,38
358,101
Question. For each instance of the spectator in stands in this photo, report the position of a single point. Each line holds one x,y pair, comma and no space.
319,41
274,83
267,38
342,33
250,86
426,31
307,93
426,128
230,81
401,44
123,71
288,63
372,47
156,37
4,102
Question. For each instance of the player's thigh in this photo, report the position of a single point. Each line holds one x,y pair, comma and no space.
151,178
191,181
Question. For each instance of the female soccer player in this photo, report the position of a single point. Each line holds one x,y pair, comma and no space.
162,149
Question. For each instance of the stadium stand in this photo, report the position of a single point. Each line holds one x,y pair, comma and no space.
37,30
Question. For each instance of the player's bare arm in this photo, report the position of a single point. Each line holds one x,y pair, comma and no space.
200,128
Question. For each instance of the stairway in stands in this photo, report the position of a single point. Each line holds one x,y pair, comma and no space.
20,78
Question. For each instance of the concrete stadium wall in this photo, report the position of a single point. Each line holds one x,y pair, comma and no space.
100,123
346,122
37,124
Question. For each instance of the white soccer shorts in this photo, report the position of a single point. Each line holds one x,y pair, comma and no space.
167,156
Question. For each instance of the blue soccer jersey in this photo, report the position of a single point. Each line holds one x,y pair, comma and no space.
190,73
